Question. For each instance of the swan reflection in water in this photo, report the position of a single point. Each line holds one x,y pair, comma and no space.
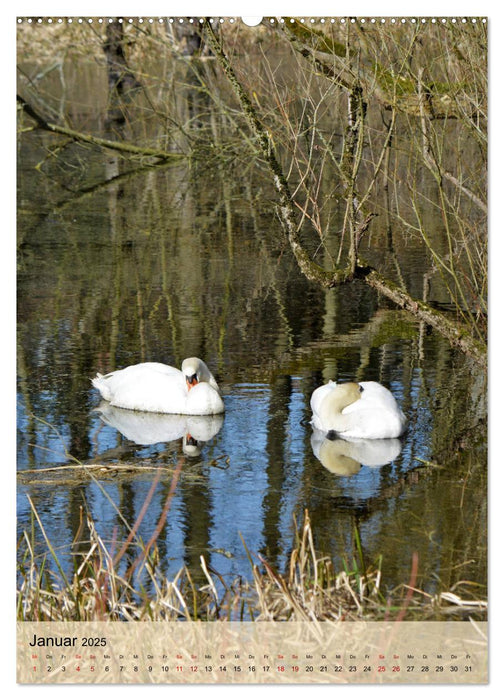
150,428
346,457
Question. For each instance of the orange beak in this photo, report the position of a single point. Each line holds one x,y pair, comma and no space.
191,381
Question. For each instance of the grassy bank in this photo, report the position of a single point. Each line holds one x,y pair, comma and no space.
123,583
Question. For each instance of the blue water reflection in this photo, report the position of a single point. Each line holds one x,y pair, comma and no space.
152,428
243,476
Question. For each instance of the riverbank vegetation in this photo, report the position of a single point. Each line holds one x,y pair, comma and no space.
101,590
123,581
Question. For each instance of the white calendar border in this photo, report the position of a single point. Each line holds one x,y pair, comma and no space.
227,8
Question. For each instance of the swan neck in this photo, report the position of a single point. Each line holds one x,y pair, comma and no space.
332,406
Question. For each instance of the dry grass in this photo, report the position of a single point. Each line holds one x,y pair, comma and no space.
127,585
311,589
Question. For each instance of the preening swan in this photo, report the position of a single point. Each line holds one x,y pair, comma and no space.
365,410
159,388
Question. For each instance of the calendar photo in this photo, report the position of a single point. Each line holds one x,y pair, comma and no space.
252,349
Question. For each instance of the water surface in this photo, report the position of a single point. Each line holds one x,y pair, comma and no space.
120,264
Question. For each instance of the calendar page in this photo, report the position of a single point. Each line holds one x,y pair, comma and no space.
252,350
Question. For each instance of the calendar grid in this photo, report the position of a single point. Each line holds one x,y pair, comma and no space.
220,652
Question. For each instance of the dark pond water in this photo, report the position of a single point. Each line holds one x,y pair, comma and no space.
189,259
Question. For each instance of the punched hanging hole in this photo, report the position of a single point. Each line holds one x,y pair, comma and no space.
252,21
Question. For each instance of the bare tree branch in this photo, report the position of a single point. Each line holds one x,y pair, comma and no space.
455,332
94,140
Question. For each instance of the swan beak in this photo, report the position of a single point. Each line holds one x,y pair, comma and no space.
191,381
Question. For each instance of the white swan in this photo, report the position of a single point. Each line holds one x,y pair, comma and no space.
158,388
365,410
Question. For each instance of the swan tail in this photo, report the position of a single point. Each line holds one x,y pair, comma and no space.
99,383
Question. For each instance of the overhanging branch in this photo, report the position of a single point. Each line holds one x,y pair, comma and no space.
94,140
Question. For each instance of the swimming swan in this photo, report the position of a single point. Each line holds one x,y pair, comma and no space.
158,388
365,410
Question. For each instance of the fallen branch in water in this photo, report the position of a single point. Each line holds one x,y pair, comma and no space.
85,471
456,333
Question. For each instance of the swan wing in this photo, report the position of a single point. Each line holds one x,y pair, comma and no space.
375,415
149,386
154,391
158,388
